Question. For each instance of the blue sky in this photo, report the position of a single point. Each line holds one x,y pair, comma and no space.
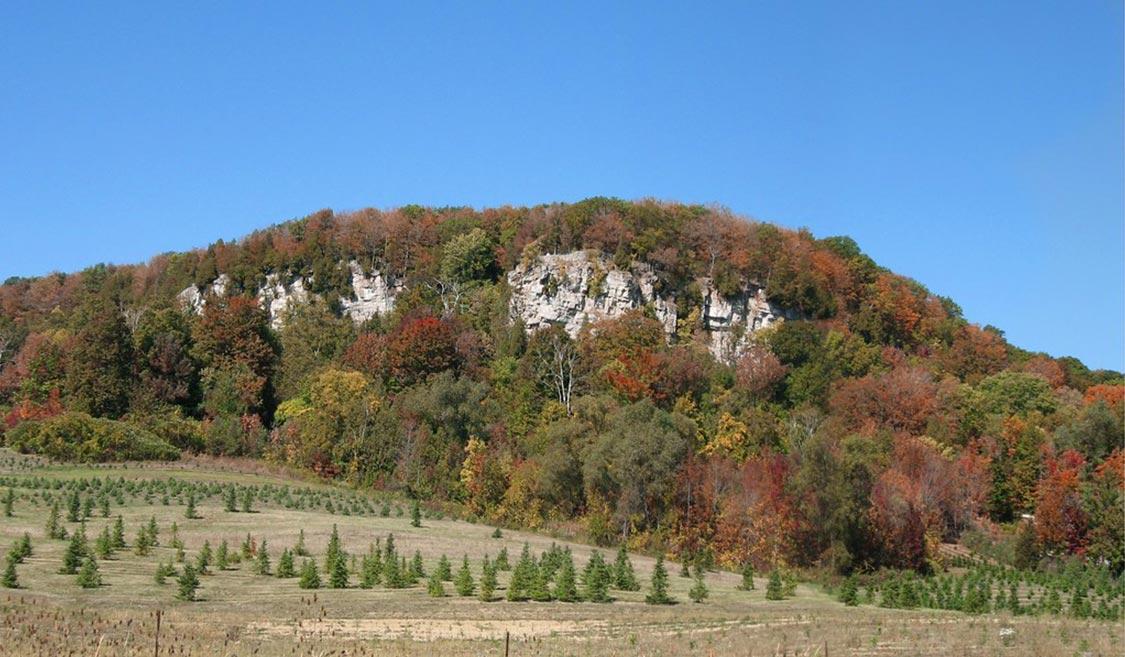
975,148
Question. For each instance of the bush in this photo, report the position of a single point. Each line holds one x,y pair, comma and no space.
79,437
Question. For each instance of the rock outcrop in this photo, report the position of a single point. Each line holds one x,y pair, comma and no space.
372,294
575,289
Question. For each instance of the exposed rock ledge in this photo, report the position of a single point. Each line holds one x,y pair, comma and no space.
574,289
373,295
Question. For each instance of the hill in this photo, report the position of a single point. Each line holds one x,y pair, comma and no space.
665,375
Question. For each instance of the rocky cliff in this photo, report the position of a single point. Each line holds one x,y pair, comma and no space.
574,289
567,289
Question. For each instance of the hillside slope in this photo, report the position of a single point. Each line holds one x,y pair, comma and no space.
665,374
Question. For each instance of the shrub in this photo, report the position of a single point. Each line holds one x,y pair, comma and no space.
79,437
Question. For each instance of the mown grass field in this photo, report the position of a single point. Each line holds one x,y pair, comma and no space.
243,613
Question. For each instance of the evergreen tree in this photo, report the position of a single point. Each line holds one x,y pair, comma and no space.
774,589
849,592
496,533
72,557
658,595
73,507
521,576
301,550
415,515
501,564
54,527
103,504
248,500
540,590
285,568
747,583
9,580
417,568
595,579
118,533
698,592
338,578
222,556
203,559
153,532
487,580
142,545
332,552
565,588
89,577
310,577
87,506
464,582
262,566
624,578
247,547
22,549
434,586
228,500
9,500
103,546
188,584
189,511
444,569
371,568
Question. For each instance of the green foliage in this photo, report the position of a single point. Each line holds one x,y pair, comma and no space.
187,584
658,592
89,577
310,577
624,578
464,581
849,592
774,588
699,591
487,581
747,583
80,437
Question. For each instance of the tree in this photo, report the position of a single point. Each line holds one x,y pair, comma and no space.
565,587
464,581
434,587
54,527
168,374
311,336
849,592
338,578
89,577
658,593
9,499
119,533
262,565
624,578
539,590
100,362
222,557
72,557
415,515
188,584
698,592
774,589
333,552
558,363
310,577
235,332
285,567
487,581
747,583
9,579
189,511
595,579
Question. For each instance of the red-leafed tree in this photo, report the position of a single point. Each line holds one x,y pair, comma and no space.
1060,521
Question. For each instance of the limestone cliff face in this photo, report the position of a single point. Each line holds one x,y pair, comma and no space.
575,289
372,293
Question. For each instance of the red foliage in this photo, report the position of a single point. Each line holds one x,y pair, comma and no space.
759,371
1060,521
902,400
1047,368
30,410
1112,395
974,354
420,346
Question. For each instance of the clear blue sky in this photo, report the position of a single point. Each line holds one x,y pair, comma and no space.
974,146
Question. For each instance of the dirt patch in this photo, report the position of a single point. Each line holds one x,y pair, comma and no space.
426,629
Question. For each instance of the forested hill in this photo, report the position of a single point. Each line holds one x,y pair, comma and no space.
667,374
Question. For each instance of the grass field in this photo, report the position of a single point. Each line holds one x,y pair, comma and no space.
243,613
